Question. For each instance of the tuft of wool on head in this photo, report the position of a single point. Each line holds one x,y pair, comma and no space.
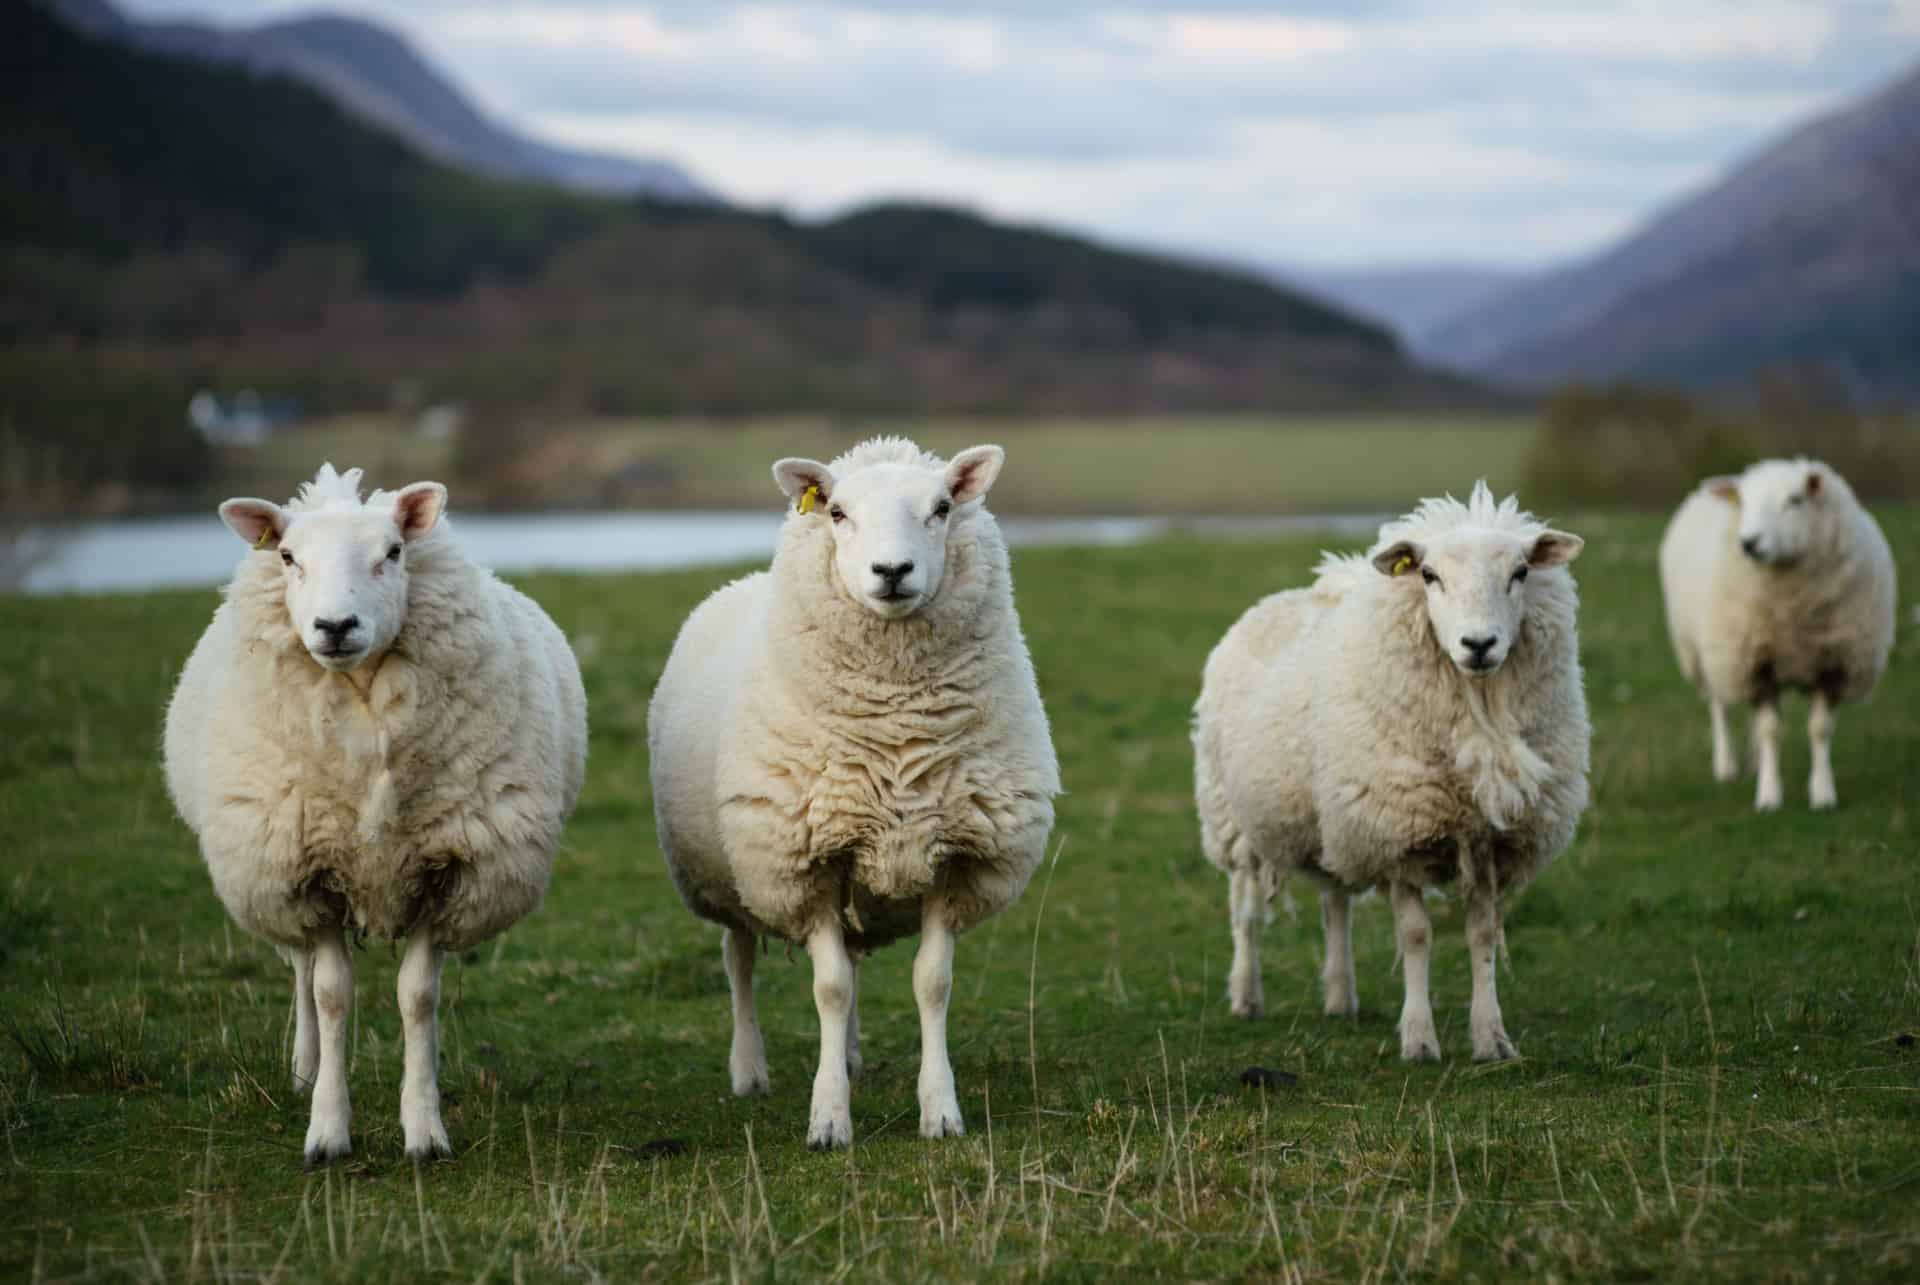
1436,516
328,490
885,450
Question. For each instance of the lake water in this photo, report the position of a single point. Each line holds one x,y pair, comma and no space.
176,552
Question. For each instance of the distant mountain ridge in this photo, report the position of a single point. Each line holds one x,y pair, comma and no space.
1808,252
377,75
1416,299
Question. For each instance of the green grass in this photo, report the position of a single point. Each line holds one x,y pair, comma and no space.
1194,464
1715,1009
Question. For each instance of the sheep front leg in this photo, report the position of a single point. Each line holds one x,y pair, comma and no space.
1766,743
1490,1042
419,994
328,1128
1341,992
1245,910
1726,764
306,1034
1820,721
747,1062
831,1122
1418,1041
932,987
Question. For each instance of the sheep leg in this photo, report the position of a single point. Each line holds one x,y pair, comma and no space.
1726,764
855,1064
831,1122
748,1060
306,1034
1820,721
1418,1041
1766,742
932,987
1337,983
419,994
328,1129
1490,1042
1244,911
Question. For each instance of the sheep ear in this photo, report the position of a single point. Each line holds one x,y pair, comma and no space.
1399,558
1555,549
1813,483
972,472
260,523
806,482
417,508
1726,487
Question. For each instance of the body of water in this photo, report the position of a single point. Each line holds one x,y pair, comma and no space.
183,552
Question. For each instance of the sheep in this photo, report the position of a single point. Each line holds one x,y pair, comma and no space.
1413,717
374,737
1778,579
850,747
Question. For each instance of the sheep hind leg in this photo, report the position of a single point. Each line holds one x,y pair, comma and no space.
1337,983
1414,931
1820,722
306,1022
1766,743
329,1128
1490,1042
830,1122
1726,764
747,1061
1245,909
419,995
932,988
855,1063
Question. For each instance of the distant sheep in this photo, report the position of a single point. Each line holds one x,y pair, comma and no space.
375,737
1778,580
851,748
1414,717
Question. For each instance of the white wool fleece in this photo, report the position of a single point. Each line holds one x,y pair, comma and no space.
428,786
812,757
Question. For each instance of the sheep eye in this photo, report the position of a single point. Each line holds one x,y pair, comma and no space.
943,508
286,556
1519,575
837,513
393,554
1426,574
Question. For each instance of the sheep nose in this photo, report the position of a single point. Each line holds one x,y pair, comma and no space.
1751,544
1479,646
336,629
892,572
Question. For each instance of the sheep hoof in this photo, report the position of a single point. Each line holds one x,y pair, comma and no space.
1499,1050
751,1080
1249,1009
322,1155
941,1120
433,1147
1419,1043
1342,1006
830,1134
1823,798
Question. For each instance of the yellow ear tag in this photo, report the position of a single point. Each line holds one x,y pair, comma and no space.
266,534
1402,564
807,498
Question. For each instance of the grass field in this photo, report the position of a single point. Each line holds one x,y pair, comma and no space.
1717,1010
1193,464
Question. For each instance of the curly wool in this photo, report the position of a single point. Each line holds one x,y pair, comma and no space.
437,793
811,759
1743,632
1335,736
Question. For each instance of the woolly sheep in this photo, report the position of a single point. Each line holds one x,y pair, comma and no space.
851,748
1415,716
373,736
1778,579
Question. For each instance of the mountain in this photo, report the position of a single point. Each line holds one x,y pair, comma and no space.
1415,299
1808,253
376,75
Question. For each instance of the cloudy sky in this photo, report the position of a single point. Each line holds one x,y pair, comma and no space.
1325,133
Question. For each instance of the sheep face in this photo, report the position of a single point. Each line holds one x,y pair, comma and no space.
889,522
344,567
1781,505
1475,582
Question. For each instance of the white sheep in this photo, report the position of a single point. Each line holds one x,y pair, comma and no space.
851,748
1414,717
375,737
1775,580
